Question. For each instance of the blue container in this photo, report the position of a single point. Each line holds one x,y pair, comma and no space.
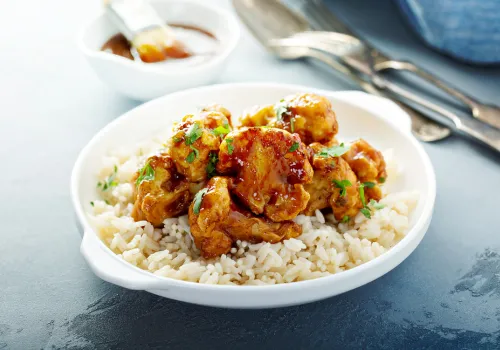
468,30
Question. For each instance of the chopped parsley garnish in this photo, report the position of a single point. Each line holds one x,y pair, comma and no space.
110,181
106,201
213,158
230,147
362,194
292,124
345,219
198,198
176,140
92,203
221,130
376,204
192,155
342,184
193,134
335,151
280,109
294,147
147,173
381,180
366,212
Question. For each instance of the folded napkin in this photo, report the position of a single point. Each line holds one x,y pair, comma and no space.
465,29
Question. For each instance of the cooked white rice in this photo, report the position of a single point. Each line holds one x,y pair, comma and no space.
325,246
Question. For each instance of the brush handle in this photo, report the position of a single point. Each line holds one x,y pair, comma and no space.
132,17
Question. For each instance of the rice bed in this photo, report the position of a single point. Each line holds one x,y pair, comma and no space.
325,247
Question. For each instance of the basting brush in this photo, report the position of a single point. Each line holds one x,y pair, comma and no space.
152,40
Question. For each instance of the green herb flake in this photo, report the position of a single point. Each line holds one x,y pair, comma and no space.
292,124
198,198
192,155
376,204
110,181
342,184
294,147
176,139
230,147
193,134
106,201
345,219
281,109
221,130
212,162
366,212
381,180
362,194
335,151
369,184
92,203
147,173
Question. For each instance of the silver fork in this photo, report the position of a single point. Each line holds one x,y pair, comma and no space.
323,19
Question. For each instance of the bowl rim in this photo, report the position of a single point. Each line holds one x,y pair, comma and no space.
379,261
232,42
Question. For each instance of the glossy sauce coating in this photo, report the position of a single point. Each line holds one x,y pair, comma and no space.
309,115
269,166
119,45
192,159
220,222
167,196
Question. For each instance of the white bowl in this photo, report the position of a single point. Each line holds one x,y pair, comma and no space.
147,81
360,115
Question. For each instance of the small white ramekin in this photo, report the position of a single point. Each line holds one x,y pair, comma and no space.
146,81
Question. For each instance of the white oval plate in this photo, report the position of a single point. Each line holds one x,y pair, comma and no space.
360,115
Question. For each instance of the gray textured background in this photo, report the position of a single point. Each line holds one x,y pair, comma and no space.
445,295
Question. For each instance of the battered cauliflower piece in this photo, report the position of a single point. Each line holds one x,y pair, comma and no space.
309,115
195,144
270,167
369,166
258,116
334,184
218,108
161,192
216,221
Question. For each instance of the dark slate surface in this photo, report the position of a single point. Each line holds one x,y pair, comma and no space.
445,295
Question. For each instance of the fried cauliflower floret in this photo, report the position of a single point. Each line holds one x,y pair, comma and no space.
369,166
309,115
217,221
218,108
195,144
259,116
270,167
161,192
334,185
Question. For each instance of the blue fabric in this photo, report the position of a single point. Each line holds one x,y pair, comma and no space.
465,29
